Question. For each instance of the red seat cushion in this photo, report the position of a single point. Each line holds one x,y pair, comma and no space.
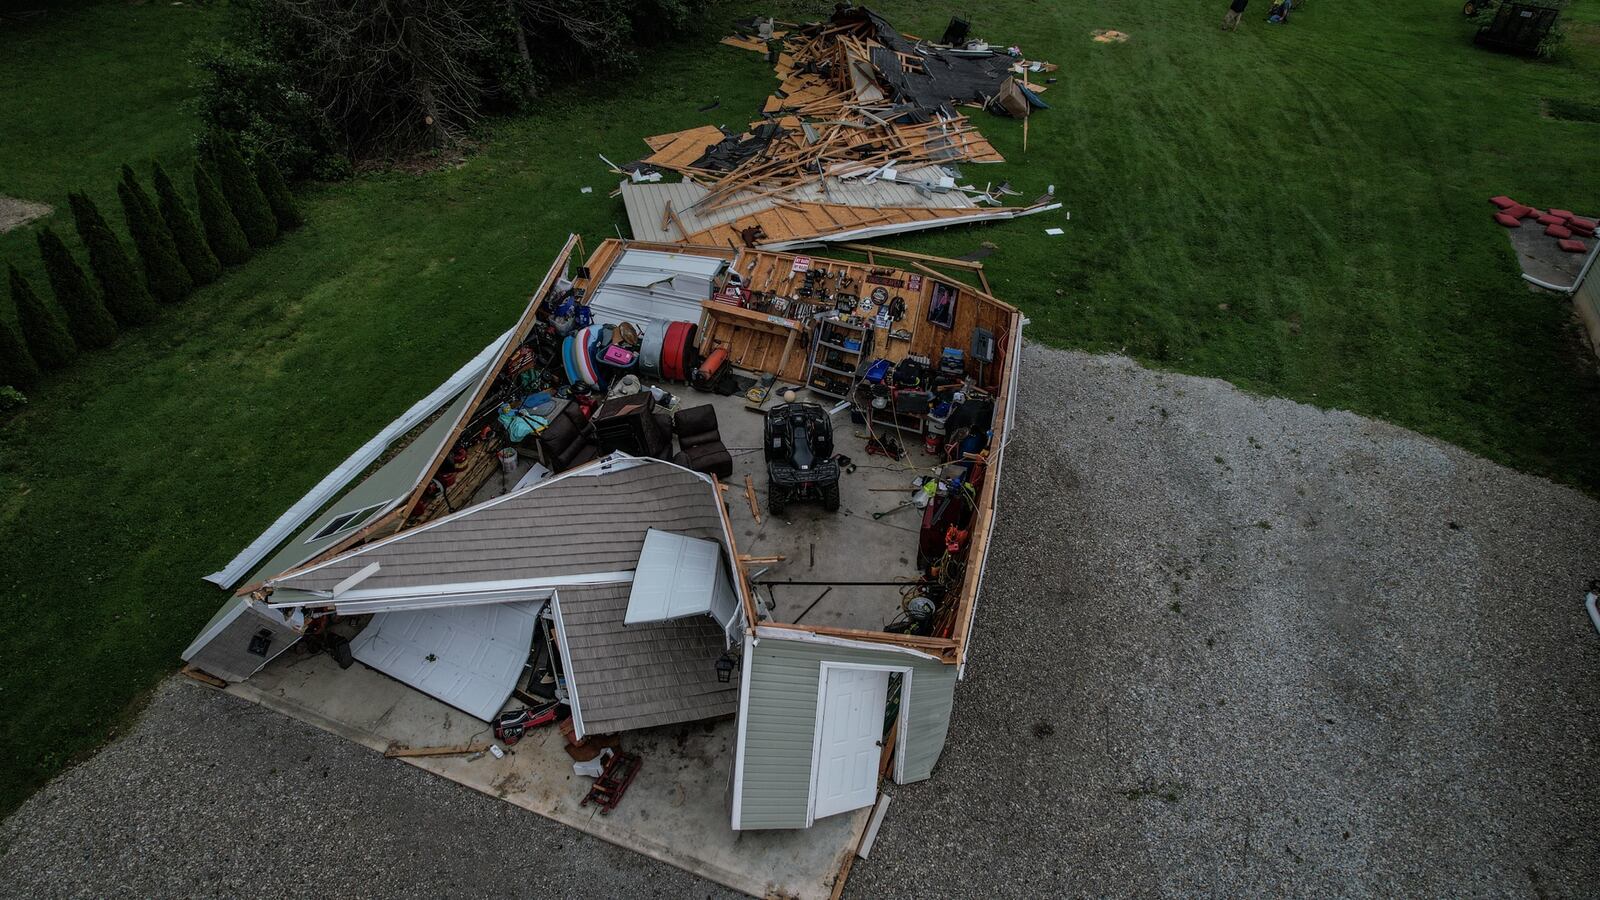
1572,246
1503,201
1508,220
1552,220
1531,212
1563,213
1558,231
1584,225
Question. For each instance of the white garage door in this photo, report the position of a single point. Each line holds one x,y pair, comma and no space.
648,287
679,576
467,656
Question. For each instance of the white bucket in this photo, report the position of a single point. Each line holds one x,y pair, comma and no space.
508,460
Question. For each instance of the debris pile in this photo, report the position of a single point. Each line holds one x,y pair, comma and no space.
857,141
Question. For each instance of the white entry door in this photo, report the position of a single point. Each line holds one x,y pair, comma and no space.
850,739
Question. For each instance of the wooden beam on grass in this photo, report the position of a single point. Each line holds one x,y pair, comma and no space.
907,254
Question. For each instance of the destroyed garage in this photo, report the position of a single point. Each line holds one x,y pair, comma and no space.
688,557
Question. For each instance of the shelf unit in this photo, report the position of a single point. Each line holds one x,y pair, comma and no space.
910,423
822,377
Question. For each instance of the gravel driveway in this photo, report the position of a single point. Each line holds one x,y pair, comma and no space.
1227,645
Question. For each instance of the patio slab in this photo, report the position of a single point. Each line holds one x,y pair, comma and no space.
675,811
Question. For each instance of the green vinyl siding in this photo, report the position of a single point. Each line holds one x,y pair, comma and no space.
1587,300
780,723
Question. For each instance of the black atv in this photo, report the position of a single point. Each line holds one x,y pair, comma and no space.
799,446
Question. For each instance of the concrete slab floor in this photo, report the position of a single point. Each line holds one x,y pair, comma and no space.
865,561
675,811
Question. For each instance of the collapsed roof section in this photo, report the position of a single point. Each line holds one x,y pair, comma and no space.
848,215
455,601
640,675
587,526
359,517
860,108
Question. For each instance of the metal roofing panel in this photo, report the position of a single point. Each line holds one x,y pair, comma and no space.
646,203
467,656
648,286
387,486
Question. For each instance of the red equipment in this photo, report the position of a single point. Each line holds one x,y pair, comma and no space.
607,790
677,351
511,725
710,371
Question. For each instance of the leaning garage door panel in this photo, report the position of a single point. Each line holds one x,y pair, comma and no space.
781,724
467,656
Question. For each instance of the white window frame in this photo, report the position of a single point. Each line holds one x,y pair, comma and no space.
351,521
901,732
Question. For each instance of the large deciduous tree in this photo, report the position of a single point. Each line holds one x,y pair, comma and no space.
318,83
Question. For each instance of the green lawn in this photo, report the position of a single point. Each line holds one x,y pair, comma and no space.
1299,210
88,88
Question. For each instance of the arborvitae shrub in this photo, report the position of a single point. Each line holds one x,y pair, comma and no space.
120,285
169,281
244,195
223,233
47,339
187,234
88,319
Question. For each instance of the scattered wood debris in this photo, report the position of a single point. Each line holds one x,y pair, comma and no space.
853,144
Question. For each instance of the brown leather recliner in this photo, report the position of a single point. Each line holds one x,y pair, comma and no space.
700,444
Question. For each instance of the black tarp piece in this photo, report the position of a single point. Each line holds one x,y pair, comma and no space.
955,34
732,151
946,78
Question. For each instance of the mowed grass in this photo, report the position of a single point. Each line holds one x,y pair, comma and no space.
1299,210
87,89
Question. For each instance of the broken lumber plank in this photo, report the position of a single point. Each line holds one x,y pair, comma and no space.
750,494
397,751
203,677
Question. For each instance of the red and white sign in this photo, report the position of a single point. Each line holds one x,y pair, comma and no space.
801,263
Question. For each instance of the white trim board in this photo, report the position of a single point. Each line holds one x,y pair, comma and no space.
874,231
573,702
353,465
316,598
742,727
807,637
